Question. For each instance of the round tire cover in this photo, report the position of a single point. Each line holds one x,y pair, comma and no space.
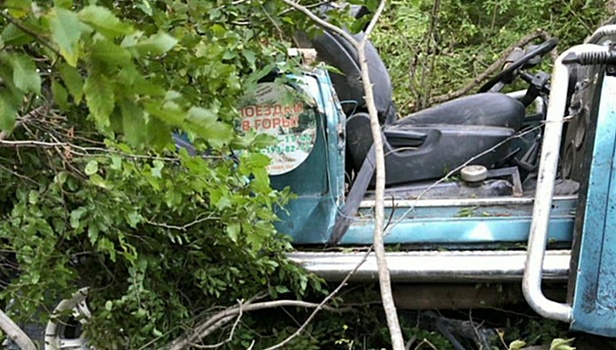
282,112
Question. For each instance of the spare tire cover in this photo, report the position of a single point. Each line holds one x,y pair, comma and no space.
286,114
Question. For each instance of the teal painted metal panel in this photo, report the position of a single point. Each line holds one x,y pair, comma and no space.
319,181
478,224
319,186
594,301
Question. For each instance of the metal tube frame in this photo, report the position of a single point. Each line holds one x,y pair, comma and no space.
600,34
433,266
531,282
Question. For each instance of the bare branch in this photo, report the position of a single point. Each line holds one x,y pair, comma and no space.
307,6
490,70
29,31
42,110
15,333
230,337
322,22
379,247
221,318
389,306
425,341
321,305
85,151
184,227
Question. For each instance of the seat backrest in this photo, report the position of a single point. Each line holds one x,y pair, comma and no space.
336,51
486,109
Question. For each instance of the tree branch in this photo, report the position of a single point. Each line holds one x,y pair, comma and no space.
15,333
539,33
379,246
218,320
322,22
391,314
321,305
29,31
184,227
42,110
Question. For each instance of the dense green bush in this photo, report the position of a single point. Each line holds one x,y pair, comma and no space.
433,48
93,191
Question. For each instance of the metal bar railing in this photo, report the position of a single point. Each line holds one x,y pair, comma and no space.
531,282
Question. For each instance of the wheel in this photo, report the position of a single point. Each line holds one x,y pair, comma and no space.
506,73
64,331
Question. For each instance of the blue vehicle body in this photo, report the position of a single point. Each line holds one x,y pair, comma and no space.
594,300
454,231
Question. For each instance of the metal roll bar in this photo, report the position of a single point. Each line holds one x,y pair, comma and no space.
601,33
531,282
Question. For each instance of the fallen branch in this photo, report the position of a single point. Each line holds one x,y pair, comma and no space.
218,320
13,331
322,304
389,307
491,69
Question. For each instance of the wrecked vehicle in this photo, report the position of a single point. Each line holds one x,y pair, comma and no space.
491,187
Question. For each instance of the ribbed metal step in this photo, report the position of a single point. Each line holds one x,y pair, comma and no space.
434,266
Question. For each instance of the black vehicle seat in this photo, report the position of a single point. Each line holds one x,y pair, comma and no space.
428,144
424,145
337,52
489,109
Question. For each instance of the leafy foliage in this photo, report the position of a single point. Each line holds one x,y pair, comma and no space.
433,48
94,192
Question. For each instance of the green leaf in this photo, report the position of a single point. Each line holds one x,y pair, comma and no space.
562,344
158,133
73,81
250,56
156,44
91,167
133,123
33,197
282,289
17,4
11,35
517,345
217,134
255,160
61,177
168,112
97,180
145,7
201,116
25,76
104,21
63,3
133,219
110,53
8,110
65,32
233,230
17,8
99,97
60,95
76,216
